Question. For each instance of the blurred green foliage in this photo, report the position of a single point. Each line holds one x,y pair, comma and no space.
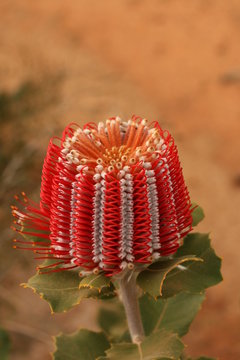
4,345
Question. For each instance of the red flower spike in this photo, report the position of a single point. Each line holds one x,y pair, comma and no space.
112,196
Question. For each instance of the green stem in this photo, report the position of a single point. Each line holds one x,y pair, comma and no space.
129,297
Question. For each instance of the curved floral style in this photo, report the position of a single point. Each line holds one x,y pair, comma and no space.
112,197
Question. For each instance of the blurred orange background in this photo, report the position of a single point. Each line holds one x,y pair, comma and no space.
174,61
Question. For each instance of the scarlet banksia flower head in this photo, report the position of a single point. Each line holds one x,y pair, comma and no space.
112,196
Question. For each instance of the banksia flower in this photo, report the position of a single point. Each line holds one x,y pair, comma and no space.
112,196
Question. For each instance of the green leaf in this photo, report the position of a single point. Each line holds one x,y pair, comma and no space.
113,322
197,214
94,281
197,276
201,358
161,344
61,289
193,276
83,345
174,314
4,345
152,279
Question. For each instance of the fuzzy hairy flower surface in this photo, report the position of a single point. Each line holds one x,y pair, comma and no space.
112,196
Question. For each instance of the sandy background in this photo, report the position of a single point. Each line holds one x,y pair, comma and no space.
170,60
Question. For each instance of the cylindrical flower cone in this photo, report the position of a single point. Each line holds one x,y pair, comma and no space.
113,196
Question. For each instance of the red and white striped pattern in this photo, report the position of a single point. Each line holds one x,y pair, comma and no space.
112,196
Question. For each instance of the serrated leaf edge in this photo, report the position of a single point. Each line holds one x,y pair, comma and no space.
174,296
139,345
169,270
41,295
94,287
54,338
173,267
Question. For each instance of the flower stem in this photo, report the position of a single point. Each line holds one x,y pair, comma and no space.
129,297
